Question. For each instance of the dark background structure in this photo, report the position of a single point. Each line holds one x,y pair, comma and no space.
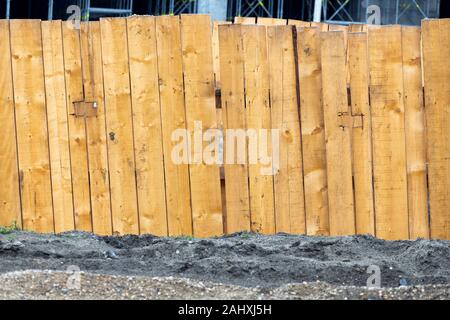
288,9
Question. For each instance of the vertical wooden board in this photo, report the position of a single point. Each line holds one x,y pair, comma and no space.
147,125
313,135
245,20
388,132
339,27
91,53
344,29
215,51
276,45
170,70
57,126
362,135
337,135
119,125
415,134
298,23
10,211
264,21
355,28
200,106
288,180
77,128
436,51
323,27
233,106
256,74
31,125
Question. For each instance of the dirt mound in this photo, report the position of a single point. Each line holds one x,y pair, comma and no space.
248,260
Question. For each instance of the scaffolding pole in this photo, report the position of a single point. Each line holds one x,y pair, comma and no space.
8,8
50,10
246,8
317,10
117,8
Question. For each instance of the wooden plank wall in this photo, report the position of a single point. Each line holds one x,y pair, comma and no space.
147,125
361,135
258,118
435,40
10,209
313,131
96,128
200,106
77,128
337,134
58,130
237,195
357,116
388,132
31,125
288,177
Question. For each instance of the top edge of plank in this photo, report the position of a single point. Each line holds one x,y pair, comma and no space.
357,33
334,31
136,16
435,19
287,26
384,27
308,28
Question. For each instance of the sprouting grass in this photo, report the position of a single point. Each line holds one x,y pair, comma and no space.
10,229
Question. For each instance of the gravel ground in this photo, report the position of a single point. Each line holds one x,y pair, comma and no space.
237,266
58,285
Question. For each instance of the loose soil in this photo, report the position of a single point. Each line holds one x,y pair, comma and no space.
236,266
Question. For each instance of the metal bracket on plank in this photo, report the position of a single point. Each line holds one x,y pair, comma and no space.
85,109
348,120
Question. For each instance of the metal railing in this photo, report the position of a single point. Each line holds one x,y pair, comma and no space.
121,8
393,12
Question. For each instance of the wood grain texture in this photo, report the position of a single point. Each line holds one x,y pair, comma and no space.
435,39
233,106
200,106
298,23
57,122
264,21
31,125
356,28
147,125
91,53
77,129
313,135
173,117
288,178
244,20
215,51
415,133
10,210
337,137
388,132
119,125
256,74
361,136
323,27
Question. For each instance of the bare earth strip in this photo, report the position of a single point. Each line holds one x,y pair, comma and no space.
238,266
54,285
